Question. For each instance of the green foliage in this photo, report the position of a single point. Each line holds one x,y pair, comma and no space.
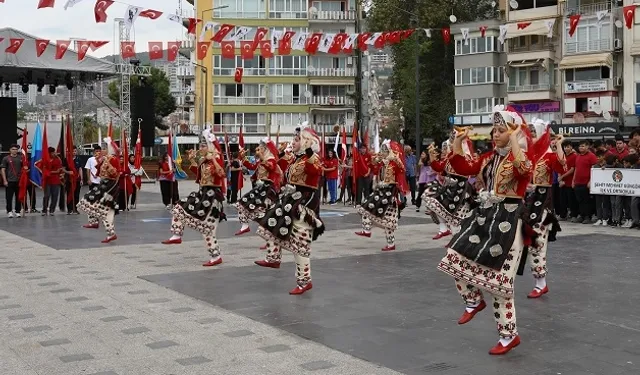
436,100
21,115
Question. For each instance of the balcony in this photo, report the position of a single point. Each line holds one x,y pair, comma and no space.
587,9
288,15
331,72
545,46
544,91
245,72
592,46
533,13
239,100
234,129
288,72
333,16
235,14
332,101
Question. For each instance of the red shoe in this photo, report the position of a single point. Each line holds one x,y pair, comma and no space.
500,350
212,263
467,316
297,290
363,234
243,231
109,239
263,247
91,226
264,263
442,234
389,248
176,241
537,293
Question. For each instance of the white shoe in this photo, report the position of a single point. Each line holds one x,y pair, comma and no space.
18,214
605,223
10,214
627,224
597,223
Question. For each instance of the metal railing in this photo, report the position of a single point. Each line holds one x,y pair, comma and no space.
545,46
245,72
588,9
235,129
238,14
288,15
332,72
528,88
291,100
590,46
287,72
333,15
331,100
239,100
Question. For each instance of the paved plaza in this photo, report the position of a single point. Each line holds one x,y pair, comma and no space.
70,305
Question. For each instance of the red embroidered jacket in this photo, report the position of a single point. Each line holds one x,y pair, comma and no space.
444,166
109,168
305,171
544,168
265,170
207,173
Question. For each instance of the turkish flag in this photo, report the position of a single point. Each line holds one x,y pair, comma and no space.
524,25
238,76
338,42
405,34
246,50
380,41
629,13
313,43
446,35
61,48
95,44
573,23
284,47
483,31
228,49
394,37
265,49
128,49
14,45
83,48
41,46
260,34
150,13
173,49
203,48
220,34
362,41
191,29
155,50
100,10
46,4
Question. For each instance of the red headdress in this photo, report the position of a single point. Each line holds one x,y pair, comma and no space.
397,149
270,146
308,139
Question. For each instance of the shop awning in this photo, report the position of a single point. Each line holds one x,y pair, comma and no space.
586,61
527,63
539,27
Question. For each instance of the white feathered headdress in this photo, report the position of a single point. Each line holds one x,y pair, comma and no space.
308,138
209,138
112,147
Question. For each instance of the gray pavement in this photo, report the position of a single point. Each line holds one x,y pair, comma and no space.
70,305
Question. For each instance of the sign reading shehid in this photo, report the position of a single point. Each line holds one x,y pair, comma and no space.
601,128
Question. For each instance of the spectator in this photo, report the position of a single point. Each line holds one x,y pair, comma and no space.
411,164
11,169
236,175
331,174
427,175
52,183
620,150
165,176
585,160
624,202
635,201
569,206
347,180
603,202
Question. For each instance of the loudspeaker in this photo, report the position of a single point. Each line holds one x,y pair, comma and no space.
8,123
142,106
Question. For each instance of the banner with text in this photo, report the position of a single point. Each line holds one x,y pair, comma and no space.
613,181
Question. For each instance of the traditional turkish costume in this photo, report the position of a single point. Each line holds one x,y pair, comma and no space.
450,199
202,210
265,191
382,208
293,222
100,202
539,206
484,256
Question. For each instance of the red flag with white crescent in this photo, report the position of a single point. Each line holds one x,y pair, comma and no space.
83,48
150,13
61,48
128,49
173,48
95,44
137,163
46,4
265,49
71,165
222,33
41,46
203,49
100,10
155,50
14,45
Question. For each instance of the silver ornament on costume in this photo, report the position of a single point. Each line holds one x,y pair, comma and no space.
279,211
287,220
452,206
481,220
272,222
510,207
196,201
371,205
475,239
533,216
504,227
264,193
287,207
542,190
376,198
388,194
190,207
258,201
297,195
495,250
210,193
385,201
252,207
200,213
206,203
380,210
538,204
461,183
456,198
284,231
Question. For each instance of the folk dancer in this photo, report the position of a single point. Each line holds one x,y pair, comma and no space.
382,208
451,199
485,254
202,210
100,202
294,221
267,186
539,203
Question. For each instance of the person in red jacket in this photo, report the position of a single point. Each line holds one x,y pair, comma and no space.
362,173
125,185
293,222
99,203
52,183
331,175
585,160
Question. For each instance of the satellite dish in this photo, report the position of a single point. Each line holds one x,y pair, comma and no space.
626,107
311,68
365,53
307,94
453,18
514,4
578,118
313,10
597,109
366,74
618,24
606,115
493,4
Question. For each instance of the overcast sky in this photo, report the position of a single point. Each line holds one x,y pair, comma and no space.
79,22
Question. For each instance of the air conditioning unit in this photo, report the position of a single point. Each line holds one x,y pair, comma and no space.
617,44
617,81
350,60
189,98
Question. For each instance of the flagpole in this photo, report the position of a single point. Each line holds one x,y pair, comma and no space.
125,164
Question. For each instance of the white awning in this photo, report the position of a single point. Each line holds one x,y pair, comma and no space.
539,27
527,63
586,61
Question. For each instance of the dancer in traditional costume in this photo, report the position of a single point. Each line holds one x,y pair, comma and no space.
539,203
100,202
202,210
294,221
450,200
484,256
267,186
382,208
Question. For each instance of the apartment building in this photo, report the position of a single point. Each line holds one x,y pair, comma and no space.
630,107
280,92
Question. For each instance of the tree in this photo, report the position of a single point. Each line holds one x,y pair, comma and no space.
21,115
436,85
165,103
90,130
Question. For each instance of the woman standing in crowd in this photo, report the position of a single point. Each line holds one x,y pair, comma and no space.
136,174
166,177
347,180
427,175
331,175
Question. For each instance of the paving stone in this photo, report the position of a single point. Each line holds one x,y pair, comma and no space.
114,318
193,361
7,262
36,277
50,283
76,267
209,320
180,310
133,257
89,272
119,252
147,261
36,328
104,278
275,348
76,299
76,357
137,292
25,272
4,297
14,267
21,317
136,330
93,308
162,344
162,265
159,300
9,307
66,262
63,290
317,365
239,333
120,284
104,373
54,342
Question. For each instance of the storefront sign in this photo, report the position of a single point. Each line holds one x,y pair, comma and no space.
537,107
587,129
612,181
585,86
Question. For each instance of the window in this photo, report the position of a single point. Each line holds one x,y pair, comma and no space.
330,90
477,106
240,9
231,122
288,8
589,36
223,67
253,67
288,66
582,105
287,93
330,6
232,93
530,4
475,76
477,45
587,74
287,121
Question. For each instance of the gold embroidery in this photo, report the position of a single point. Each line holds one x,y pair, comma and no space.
107,171
542,173
389,176
262,172
206,176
